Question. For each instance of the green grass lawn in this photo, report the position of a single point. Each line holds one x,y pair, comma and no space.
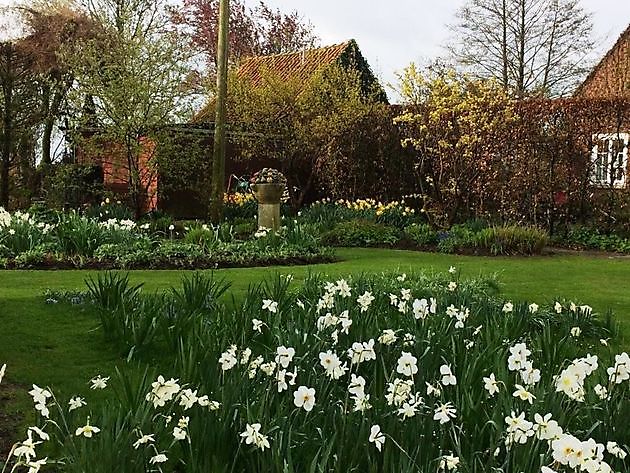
60,345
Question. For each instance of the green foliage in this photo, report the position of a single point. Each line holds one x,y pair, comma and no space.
421,234
361,233
196,328
71,185
511,240
592,238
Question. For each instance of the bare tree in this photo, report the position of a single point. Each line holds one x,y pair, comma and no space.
532,47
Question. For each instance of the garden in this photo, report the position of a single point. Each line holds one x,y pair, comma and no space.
434,286
419,370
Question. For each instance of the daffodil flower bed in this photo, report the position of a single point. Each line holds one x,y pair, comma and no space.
76,241
395,373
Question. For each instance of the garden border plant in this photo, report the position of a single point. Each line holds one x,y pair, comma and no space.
286,378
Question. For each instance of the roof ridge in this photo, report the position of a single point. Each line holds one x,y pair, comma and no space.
301,51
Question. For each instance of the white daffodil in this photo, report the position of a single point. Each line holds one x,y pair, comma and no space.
364,301
26,449
40,395
387,337
343,288
284,356
76,403
508,308
253,436
87,430
143,440
268,368
40,433
179,433
162,391
421,309
444,413
270,305
452,270
228,359
377,437
519,429
452,286
357,385
257,325
159,458
614,449
523,394
332,364
361,402
621,371
188,398
99,382
576,332
449,463
533,308
448,378
407,364
601,392
36,466
304,397
558,307
3,370
360,352
546,428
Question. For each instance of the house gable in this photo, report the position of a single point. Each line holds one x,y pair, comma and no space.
610,79
302,66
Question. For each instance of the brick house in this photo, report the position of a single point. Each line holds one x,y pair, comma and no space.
610,80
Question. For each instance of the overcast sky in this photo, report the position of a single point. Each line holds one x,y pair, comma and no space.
393,33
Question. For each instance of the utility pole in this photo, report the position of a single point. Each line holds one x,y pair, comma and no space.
218,156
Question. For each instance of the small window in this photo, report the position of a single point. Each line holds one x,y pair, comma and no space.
610,160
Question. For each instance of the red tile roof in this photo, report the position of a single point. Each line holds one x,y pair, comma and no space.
625,36
300,65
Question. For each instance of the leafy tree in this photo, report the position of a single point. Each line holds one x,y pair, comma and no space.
457,127
253,31
19,111
529,46
134,76
53,27
311,131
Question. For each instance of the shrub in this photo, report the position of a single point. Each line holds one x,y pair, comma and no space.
511,240
421,234
592,238
361,233
457,239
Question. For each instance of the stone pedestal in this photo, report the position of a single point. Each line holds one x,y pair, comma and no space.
268,197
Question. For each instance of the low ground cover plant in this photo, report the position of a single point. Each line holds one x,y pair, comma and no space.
391,373
591,238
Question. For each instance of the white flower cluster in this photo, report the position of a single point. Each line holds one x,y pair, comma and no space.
571,380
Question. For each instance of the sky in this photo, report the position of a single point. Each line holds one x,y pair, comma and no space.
393,33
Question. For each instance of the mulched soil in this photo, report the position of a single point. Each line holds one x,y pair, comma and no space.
53,264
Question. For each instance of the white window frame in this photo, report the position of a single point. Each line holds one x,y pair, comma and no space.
601,175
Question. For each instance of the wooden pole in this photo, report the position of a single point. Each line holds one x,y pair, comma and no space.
218,156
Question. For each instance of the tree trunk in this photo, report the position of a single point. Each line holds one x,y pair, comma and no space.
504,46
7,134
